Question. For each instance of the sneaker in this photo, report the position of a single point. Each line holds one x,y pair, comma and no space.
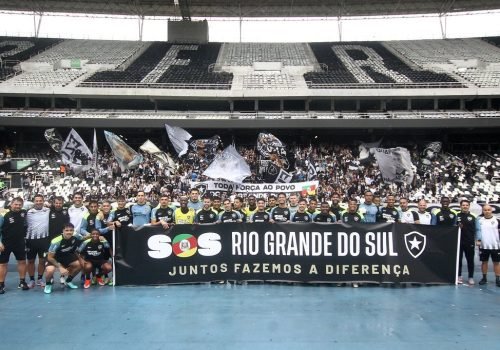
62,279
2,290
471,281
100,281
86,284
71,285
483,281
31,284
40,283
23,285
94,280
460,280
355,285
48,289
110,282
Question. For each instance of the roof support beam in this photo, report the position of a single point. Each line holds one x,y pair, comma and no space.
185,12
37,24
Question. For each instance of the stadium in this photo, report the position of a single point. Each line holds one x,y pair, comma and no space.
322,107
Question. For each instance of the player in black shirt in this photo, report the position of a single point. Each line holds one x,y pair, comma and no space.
388,213
352,215
336,209
62,255
239,207
281,213
301,215
271,203
206,215
260,215
216,204
95,254
467,223
163,214
229,215
444,216
122,215
324,215
12,234
58,217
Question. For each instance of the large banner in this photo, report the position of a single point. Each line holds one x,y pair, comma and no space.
225,188
287,252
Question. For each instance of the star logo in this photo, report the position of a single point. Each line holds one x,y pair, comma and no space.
415,243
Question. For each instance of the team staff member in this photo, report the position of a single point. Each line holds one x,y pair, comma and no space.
301,215
206,215
62,255
467,223
488,237
77,211
12,233
407,216
260,214
281,213
163,214
94,253
445,216
37,239
388,213
141,211
324,214
184,215
368,208
58,217
122,215
352,215
424,217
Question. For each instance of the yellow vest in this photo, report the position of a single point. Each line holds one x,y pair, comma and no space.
181,218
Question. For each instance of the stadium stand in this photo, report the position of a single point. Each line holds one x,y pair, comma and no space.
94,51
368,63
61,77
20,49
268,81
168,66
245,54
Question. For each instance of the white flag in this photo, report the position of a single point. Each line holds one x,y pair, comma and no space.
394,164
151,148
283,177
228,165
179,137
75,153
94,151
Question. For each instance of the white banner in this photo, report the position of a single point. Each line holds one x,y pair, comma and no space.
75,153
395,164
220,188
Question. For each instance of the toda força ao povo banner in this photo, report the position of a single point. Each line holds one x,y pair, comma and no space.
286,252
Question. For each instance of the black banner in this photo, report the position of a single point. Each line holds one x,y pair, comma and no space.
287,252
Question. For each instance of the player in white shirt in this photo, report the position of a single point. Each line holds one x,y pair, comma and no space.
488,238
424,217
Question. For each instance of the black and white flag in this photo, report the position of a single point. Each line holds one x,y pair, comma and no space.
54,139
312,174
179,138
395,164
75,153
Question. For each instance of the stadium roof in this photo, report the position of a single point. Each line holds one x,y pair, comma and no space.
251,8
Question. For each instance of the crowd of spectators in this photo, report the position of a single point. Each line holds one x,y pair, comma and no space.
338,171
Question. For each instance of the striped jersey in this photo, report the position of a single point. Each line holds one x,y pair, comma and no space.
38,223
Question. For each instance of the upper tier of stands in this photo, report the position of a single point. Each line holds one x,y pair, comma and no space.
166,65
350,65
245,54
367,63
113,52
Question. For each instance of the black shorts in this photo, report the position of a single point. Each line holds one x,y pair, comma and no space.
484,255
65,260
97,264
18,248
37,247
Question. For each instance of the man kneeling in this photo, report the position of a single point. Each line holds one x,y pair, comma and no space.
95,256
62,255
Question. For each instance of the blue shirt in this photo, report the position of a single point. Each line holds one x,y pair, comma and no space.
141,214
369,211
